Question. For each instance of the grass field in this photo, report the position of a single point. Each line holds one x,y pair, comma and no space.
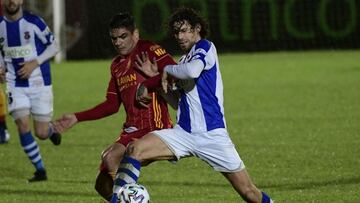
294,117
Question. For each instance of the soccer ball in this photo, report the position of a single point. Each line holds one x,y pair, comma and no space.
133,193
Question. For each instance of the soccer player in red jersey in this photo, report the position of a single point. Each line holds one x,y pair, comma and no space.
141,117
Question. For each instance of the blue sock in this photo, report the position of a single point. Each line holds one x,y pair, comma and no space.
2,134
128,172
32,150
265,198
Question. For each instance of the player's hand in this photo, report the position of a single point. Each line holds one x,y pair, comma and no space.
27,68
65,122
164,81
146,66
2,75
142,96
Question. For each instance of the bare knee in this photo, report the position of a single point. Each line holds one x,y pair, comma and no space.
135,151
111,160
112,156
42,133
22,126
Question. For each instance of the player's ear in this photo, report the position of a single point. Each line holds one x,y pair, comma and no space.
136,34
198,28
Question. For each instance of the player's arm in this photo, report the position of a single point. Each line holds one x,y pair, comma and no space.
152,62
199,61
43,32
47,38
108,107
189,70
156,67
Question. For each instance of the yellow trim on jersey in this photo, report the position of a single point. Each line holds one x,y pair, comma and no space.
2,103
157,112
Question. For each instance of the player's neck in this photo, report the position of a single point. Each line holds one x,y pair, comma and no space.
14,17
196,41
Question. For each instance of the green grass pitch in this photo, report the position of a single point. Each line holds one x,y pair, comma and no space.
293,116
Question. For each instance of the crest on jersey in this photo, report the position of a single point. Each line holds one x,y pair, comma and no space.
27,35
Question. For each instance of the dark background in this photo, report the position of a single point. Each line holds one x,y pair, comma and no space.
236,25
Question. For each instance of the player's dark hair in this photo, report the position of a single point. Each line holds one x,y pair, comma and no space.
122,20
183,14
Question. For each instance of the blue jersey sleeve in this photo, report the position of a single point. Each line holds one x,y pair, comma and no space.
42,31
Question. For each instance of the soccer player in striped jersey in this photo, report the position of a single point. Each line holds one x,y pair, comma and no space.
26,46
141,117
201,128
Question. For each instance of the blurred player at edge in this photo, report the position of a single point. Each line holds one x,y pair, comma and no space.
142,117
4,134
26,46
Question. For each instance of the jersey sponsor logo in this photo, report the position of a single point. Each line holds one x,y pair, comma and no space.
18,52
127,78
160,51
126,81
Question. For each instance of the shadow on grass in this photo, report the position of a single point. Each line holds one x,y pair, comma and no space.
185,183
303,185
280,186
45,193
73,181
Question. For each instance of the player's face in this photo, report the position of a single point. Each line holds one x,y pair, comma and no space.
124,40
185,35
12,7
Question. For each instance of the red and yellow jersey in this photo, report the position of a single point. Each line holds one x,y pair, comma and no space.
125,79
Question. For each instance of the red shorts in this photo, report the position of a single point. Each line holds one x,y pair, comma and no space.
124,139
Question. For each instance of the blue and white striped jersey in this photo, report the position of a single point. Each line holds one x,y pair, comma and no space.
201,104
24,40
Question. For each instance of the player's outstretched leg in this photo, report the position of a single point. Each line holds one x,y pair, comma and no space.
32,150
242,183
104,184
128,172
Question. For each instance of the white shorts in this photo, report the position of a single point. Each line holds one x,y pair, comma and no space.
35,100
214,147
